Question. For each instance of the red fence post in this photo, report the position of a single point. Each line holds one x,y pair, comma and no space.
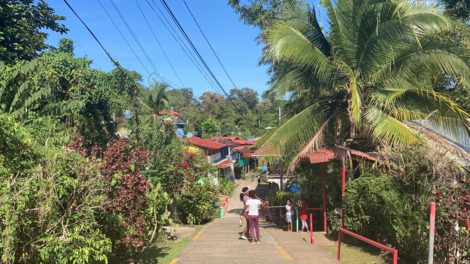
325,223
432,228
343,189
395,256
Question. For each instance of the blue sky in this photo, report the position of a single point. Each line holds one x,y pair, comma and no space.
234,42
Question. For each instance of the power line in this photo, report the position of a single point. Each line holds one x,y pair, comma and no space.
94,36
162,18
197,52
209,43
158,42
137,40
123,37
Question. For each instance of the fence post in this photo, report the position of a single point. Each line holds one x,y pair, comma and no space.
311,229
395,256
325,222
432,226
296,219
339,246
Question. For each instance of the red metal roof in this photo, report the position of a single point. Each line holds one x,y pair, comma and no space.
204,143
320,156
326,155
240,148
170,112
224,164
223,138
244,142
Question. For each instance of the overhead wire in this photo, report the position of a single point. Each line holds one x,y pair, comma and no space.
164,21
134,37
209,43
172,15
93,35
158,42
123,37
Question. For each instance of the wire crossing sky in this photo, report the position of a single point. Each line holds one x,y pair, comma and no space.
234,42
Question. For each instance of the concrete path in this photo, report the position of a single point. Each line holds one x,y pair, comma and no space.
218,243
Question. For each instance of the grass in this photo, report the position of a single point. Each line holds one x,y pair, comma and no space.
355,254
165,252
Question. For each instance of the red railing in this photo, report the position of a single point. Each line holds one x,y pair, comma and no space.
368,241
312,241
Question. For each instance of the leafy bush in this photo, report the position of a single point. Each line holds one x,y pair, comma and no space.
128,200
195,205
50,207
225,186
391,204
157,211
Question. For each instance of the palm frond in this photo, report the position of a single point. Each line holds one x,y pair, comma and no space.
384,127
287,43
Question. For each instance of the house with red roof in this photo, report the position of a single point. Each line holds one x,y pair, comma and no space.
217,153
240,150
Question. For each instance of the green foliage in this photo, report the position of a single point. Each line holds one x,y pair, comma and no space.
361,74
210,127
457,8
22,35
50,203
260,12
251,118
157,211
391,205
225,187
195,205
154,101
16,153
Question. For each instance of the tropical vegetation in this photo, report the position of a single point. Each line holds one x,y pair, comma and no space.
360,78
71,189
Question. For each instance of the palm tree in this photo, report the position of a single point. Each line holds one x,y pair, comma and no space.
368,75
154,101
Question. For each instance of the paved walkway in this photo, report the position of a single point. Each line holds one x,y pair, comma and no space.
218,243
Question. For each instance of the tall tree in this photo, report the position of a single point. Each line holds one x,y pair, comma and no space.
260,12
21,28
155,101
457,8
372,73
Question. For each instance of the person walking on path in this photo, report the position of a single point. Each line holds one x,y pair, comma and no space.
303,215
244,214
252,206
289,214
225,205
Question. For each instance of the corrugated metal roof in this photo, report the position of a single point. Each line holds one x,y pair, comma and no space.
224,164
204,143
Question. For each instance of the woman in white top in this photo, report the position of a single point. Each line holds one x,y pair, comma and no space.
252,206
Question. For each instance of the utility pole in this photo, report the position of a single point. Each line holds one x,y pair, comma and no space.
280,116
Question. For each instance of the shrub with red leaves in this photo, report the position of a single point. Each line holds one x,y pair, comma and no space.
84,148
452,244
122,168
